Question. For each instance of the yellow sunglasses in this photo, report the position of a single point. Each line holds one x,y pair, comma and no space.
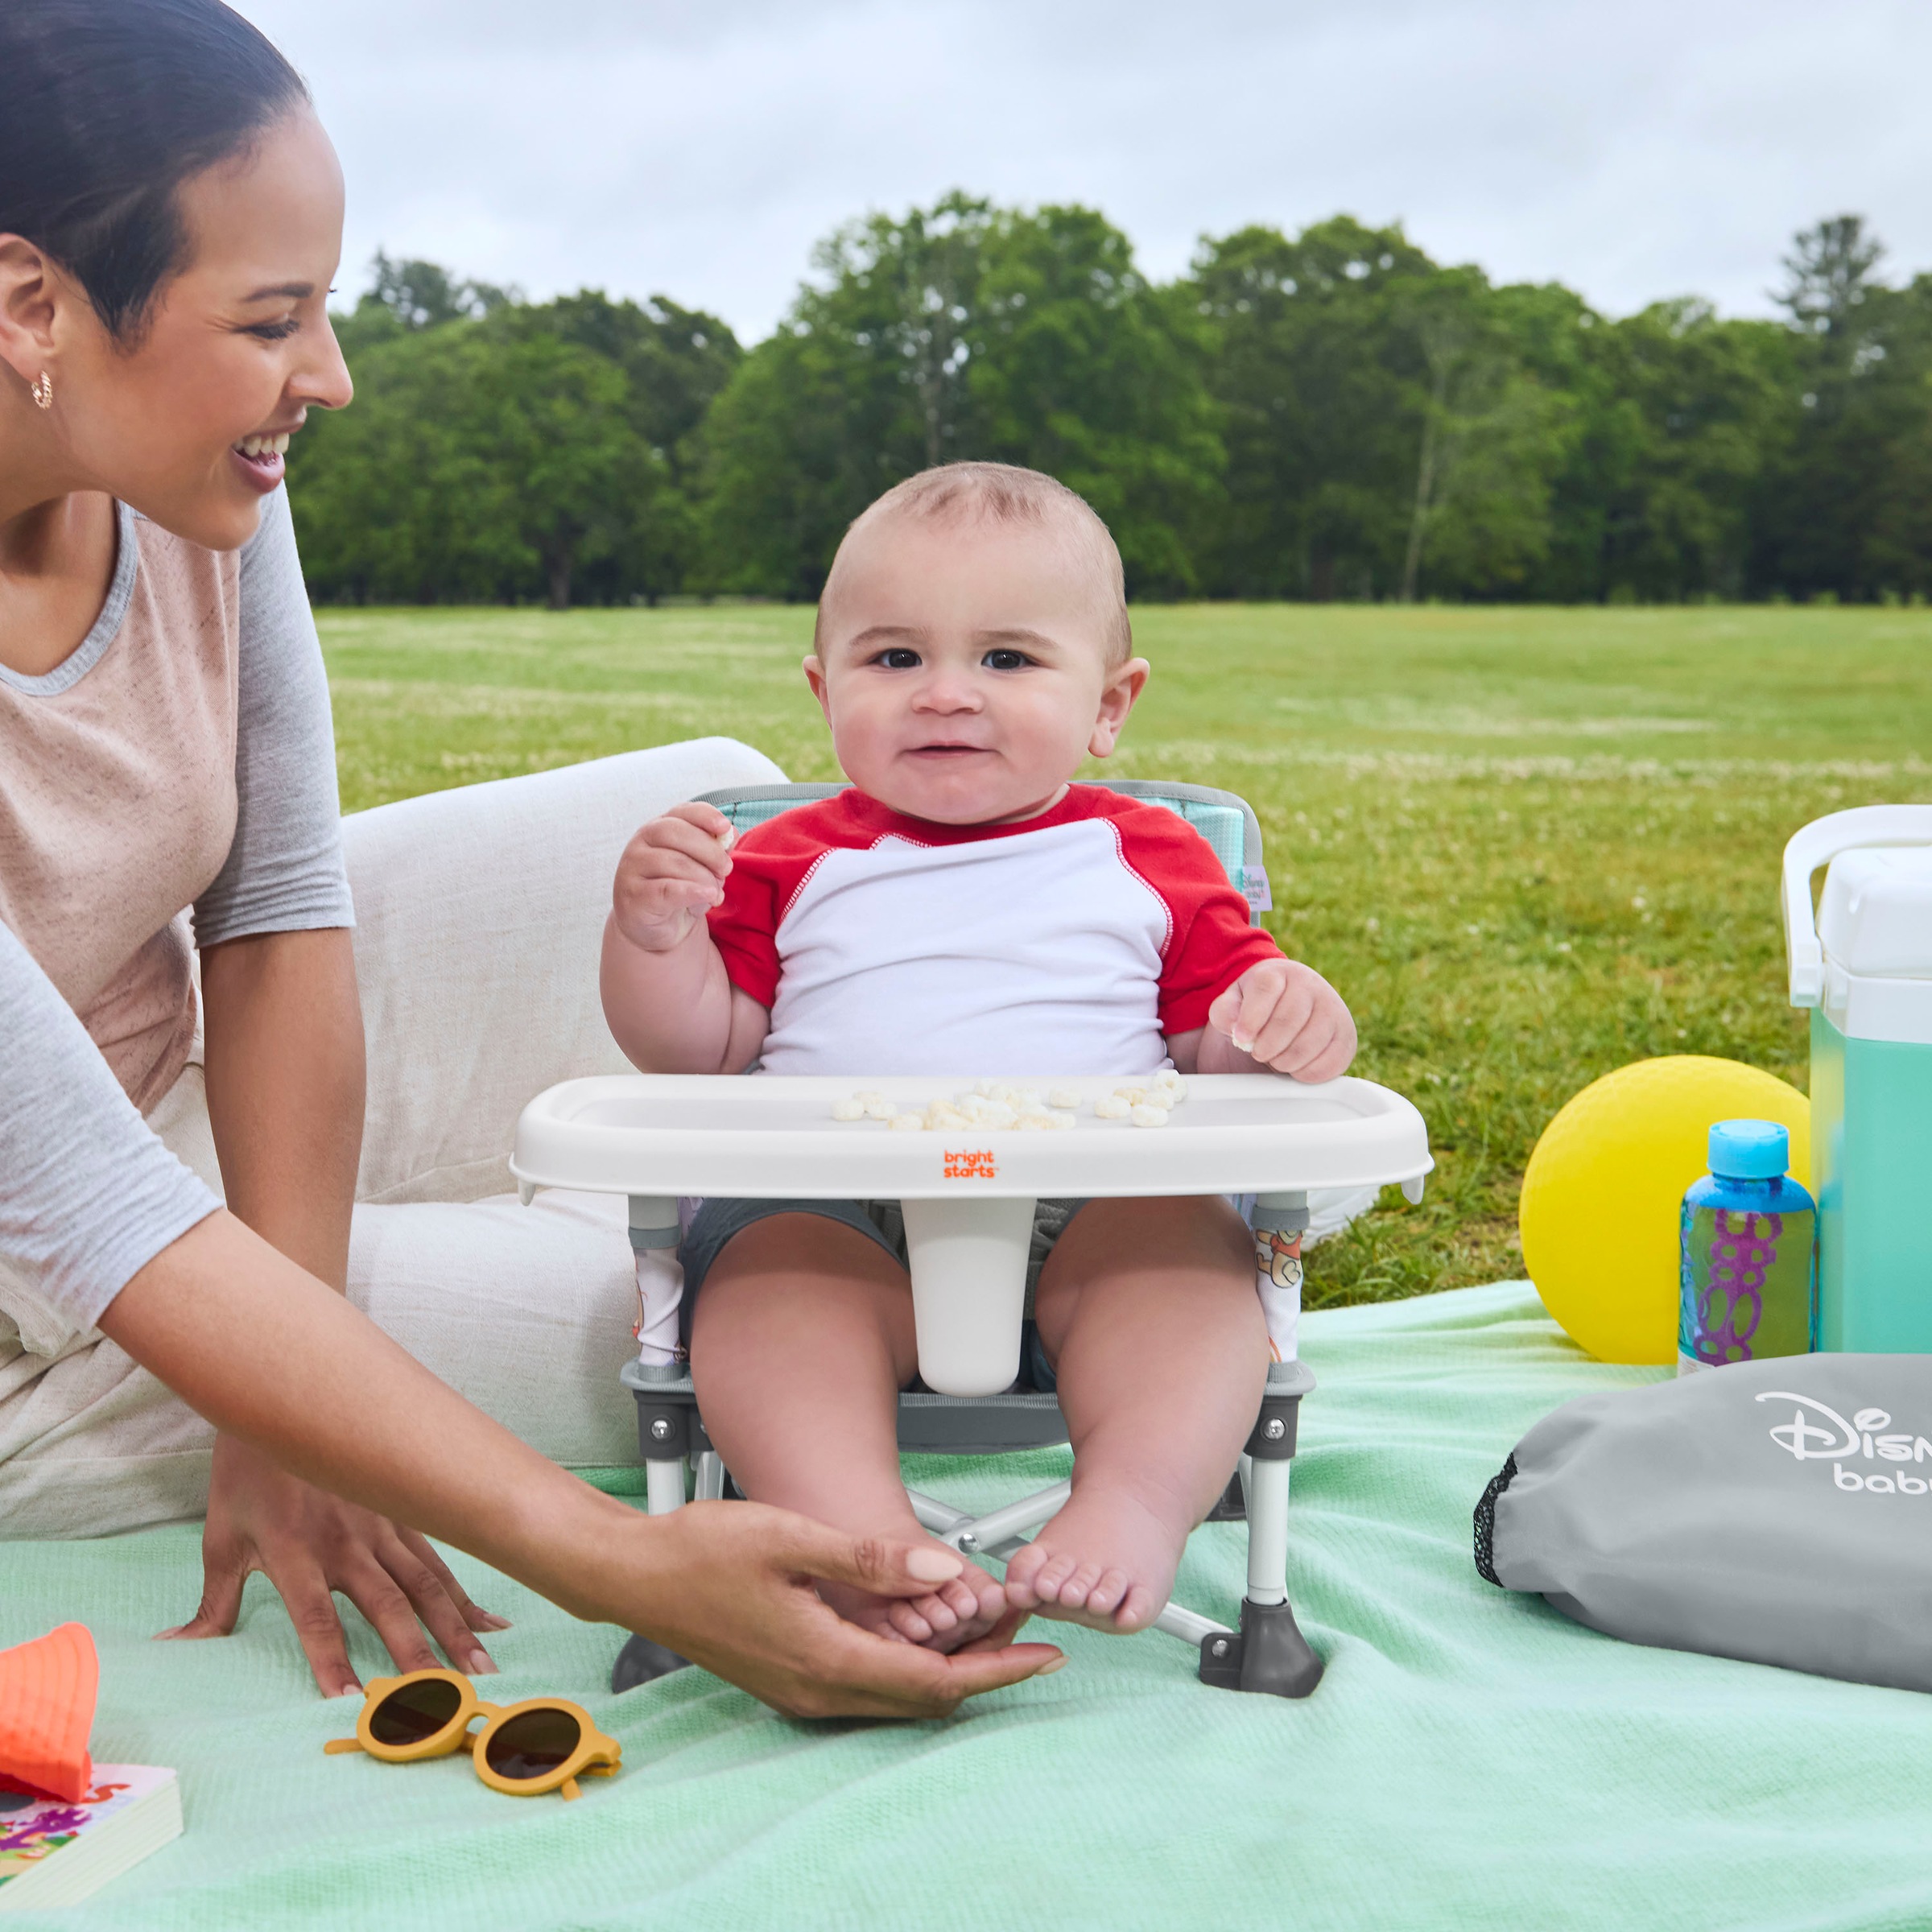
544,1743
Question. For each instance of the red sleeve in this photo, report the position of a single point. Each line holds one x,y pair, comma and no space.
1210,939
745,927
769,863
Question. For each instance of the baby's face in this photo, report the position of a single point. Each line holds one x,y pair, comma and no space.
963,668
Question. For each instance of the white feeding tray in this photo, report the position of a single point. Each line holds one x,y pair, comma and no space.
968,1192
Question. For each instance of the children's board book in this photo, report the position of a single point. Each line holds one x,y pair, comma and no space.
55,1853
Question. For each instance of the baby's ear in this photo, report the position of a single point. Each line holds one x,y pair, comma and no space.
813,668
1118,696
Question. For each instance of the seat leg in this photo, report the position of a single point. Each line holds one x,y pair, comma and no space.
1268,1653
643,1659
664,1486
1233,1508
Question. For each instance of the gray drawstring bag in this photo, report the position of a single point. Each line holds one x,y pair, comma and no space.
1776,1511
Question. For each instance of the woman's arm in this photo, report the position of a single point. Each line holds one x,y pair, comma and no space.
284,1061
285,1091
285,1094
268,1353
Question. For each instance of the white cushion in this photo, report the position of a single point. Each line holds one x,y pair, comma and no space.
527,1311
479,916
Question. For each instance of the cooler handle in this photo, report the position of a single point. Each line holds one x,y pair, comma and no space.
1817,844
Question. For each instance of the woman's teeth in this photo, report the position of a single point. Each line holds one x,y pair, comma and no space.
264,446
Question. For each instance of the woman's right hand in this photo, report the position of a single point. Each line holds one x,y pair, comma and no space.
729,1586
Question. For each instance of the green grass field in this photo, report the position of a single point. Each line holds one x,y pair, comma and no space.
1528,845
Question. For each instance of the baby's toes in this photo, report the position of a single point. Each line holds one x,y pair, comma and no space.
1076,1592
908,1623
1108,1592
975,1598
1023,1568
1050,1584
1137,1610
939,1612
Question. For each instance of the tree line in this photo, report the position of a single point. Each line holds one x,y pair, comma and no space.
1329,415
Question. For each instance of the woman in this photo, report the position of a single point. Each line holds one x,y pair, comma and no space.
170,219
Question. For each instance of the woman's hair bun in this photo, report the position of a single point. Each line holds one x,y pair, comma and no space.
106,107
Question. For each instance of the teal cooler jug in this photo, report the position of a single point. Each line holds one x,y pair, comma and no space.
1865,969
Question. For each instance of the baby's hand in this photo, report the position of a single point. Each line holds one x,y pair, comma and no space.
672,871
1287,1017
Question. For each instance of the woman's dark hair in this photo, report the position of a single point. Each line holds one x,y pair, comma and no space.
106,107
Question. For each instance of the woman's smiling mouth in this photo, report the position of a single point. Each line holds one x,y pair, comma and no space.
259,458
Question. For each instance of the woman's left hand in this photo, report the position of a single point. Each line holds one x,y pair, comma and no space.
310,1544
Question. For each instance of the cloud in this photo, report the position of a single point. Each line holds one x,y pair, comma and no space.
1654,148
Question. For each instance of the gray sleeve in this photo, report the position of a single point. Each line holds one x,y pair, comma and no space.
284,871
88,1195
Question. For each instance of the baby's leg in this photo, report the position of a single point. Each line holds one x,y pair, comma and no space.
1148,1310
801,1340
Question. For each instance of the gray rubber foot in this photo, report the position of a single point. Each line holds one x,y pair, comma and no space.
1268,1654
641,1662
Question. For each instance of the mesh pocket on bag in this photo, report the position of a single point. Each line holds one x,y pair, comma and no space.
1485,1522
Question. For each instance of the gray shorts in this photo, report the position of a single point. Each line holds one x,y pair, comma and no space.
716,1221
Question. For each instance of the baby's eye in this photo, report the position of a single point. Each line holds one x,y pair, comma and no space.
899,657
1005,660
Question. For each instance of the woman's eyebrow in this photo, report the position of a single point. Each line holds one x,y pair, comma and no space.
283,291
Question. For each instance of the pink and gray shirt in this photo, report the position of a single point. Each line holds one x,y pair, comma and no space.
171,784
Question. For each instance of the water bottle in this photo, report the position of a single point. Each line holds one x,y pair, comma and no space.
1747,1236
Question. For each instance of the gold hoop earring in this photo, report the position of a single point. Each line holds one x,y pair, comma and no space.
43,391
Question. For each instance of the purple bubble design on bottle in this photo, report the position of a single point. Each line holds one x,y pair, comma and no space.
1743,1249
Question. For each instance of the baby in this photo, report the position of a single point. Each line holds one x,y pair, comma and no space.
963,909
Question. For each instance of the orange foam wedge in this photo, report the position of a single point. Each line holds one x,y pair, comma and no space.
48,1689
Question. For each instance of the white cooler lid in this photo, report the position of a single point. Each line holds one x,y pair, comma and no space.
1875,917
1875,926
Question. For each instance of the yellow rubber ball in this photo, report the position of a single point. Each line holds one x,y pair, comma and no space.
1599,1212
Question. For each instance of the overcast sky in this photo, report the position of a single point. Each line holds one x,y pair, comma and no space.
1634,149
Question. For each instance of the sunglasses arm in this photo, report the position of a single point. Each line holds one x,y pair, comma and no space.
337,1744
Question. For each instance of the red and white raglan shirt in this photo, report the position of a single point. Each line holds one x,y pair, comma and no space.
1072,943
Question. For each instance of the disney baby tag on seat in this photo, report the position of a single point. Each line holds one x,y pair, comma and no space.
1780,1512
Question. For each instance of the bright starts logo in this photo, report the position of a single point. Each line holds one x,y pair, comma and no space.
1817,1433
970,1164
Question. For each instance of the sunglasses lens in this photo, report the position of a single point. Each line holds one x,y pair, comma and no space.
532,1743
414,1712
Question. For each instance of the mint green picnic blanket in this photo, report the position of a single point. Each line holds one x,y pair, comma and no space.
1471,1758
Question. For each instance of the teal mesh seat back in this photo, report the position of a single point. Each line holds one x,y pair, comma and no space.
1224,819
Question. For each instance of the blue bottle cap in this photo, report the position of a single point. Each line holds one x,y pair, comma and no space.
1749,1150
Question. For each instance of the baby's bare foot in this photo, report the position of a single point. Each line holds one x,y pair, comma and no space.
1107,1560
950,1618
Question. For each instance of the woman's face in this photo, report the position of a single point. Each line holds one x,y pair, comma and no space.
187,420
